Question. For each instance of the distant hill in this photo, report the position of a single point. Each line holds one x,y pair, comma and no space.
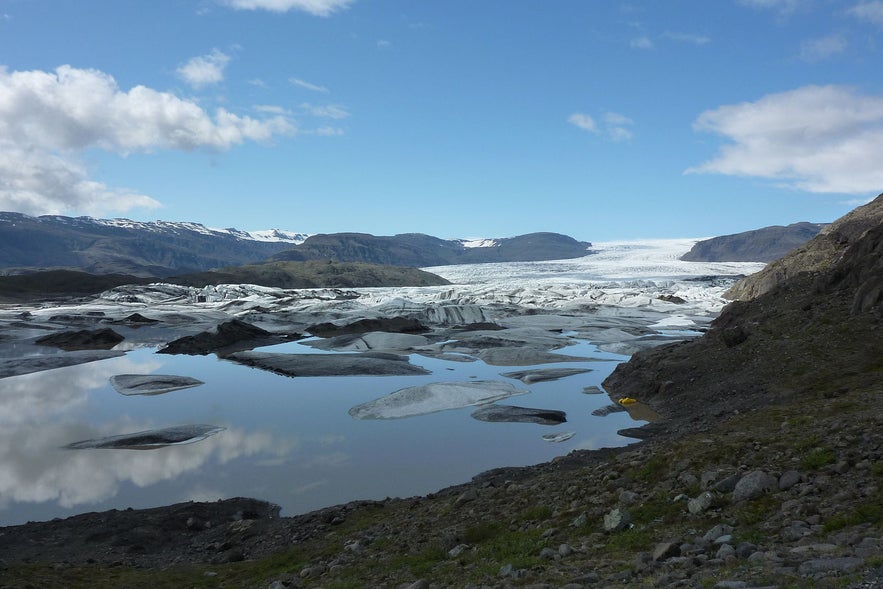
121,246
760,245
55,285
416,249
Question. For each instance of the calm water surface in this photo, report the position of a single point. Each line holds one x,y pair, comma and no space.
286,440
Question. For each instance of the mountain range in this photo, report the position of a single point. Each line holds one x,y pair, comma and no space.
162,249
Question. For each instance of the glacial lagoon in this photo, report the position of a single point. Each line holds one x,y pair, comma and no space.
293,440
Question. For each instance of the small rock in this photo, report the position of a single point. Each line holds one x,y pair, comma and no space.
458,550
789,479
588,579
753,485
421,584
700,503
548,554
666,550
845,564
466,497
509,570
725,539
565,550
717,531
841,467
707,478
688,479
616,520
728,484
745,549
628,497
725,551
580,520
730,585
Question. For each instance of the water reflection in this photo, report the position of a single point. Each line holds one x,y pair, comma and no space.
289,441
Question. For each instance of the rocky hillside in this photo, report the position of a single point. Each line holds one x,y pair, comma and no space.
817,255
418,250
813,326
760,245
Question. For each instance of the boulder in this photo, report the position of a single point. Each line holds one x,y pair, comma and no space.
616,520
753,485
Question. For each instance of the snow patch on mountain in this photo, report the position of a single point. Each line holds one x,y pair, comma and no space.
479,242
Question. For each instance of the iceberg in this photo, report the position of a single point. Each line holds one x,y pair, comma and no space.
433,397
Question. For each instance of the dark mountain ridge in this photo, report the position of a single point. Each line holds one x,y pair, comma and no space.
417,249
760,245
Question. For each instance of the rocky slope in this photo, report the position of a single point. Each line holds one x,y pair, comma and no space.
817,255
760,245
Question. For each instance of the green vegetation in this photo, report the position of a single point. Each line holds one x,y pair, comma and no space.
817,458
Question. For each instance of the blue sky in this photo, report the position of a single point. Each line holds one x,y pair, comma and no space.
599,119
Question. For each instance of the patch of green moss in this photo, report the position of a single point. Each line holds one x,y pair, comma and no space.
817,458
865,513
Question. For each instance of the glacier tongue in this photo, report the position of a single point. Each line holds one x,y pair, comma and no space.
618,295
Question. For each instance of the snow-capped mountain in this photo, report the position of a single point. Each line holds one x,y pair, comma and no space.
124,246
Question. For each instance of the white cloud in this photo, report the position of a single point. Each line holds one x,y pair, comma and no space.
618,126
384,43
204,69
314,7
813,50
783,6
328,111
308,85
641,43
814,138
687,38
272,109
37,182
871,11
615,127
583,121
328,131
47,117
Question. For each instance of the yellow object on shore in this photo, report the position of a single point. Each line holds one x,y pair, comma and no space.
627,401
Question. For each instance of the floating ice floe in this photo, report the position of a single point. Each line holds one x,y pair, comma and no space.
150,439
544,374
559,437
433,397
151,384
514,414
